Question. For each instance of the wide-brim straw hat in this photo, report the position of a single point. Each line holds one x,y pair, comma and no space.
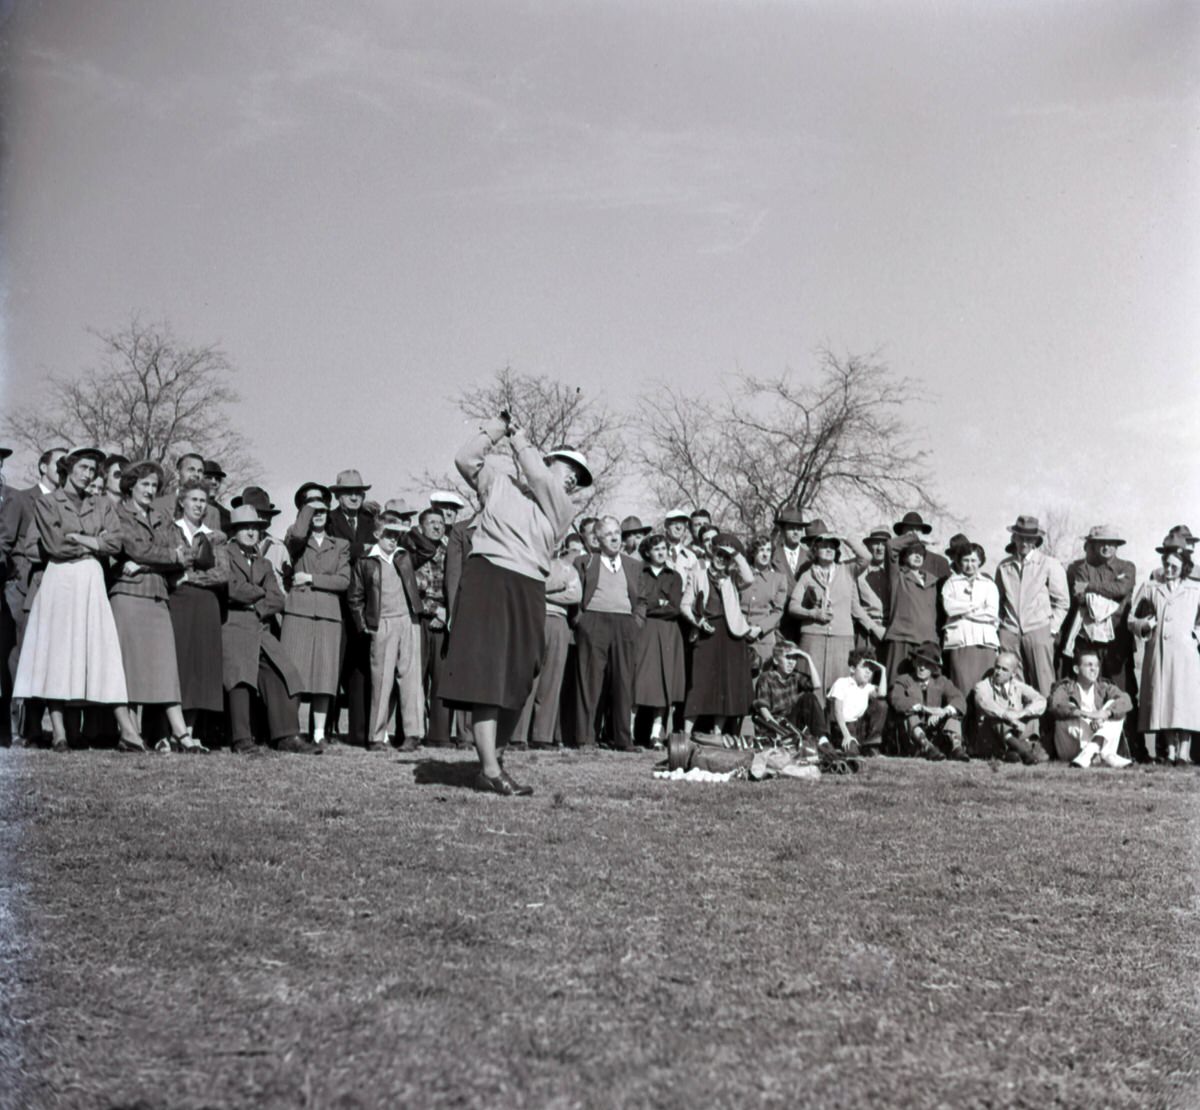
575,458
446,497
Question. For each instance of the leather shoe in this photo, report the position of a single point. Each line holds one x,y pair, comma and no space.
245,747
378,746
503,784
411,744
959,753
298,745
932,753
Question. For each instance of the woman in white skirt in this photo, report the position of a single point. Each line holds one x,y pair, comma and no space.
71,655
150,548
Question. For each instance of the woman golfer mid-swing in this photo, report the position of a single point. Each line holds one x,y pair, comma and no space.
498,624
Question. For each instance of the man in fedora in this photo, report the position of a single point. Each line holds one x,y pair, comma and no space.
1100,587
351,520
789,556
633,531
930,705
273,550
402,511
214,475
254,659
1034,600
873,585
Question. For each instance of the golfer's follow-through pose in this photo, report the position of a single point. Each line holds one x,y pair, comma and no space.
498,625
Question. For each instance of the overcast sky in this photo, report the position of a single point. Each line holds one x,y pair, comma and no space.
373,205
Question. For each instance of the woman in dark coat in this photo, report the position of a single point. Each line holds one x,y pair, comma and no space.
150,548
659,680
196,603
720,684
312,614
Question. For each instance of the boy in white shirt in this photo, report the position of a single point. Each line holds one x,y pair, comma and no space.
858,705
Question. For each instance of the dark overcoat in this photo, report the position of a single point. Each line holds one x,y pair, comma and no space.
254,598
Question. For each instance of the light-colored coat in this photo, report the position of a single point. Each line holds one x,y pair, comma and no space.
1033,594
1169,618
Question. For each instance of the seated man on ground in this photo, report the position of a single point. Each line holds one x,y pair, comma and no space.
787,691
1010,711
1088,714
857,705
931,705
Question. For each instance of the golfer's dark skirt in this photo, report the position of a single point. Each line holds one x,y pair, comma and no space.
497,637
720,678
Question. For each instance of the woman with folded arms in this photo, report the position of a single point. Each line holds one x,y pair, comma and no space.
150,549
71,654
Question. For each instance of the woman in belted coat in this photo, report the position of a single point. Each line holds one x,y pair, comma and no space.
150,548
312,614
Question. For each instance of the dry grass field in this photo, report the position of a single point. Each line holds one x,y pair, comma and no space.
363,931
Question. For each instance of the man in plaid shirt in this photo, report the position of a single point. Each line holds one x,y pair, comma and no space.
788,689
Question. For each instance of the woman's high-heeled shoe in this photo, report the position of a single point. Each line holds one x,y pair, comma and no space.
190,745
132,743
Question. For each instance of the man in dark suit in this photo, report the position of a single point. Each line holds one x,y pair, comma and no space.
214,475
789,556
351,520
606,638
21,573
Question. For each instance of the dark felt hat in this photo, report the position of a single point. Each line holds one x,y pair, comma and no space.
259,498
728,542
818,530
912,522
212,469
313,493
929,653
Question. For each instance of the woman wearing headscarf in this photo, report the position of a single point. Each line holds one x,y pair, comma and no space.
1166,614
497,631
720,684
197,604
71,655
971,603
312,613
151,548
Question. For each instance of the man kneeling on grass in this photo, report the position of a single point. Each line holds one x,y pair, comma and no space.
858,705
1010,711
1088,714
786,691
931,705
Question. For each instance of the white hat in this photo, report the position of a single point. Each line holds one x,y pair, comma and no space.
575,458
446,497
677,514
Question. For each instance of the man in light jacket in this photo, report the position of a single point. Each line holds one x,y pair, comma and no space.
1033,602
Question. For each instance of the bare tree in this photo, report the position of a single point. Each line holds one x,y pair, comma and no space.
150,396
1063,537
552,413
836,443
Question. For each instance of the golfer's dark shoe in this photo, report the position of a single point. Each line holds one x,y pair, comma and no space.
503,783
298,745
378,746
411,744
959,753
245,747
932,753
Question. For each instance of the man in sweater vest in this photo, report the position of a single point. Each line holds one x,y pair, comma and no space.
606,638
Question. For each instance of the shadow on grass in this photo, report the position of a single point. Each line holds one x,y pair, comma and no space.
444,772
